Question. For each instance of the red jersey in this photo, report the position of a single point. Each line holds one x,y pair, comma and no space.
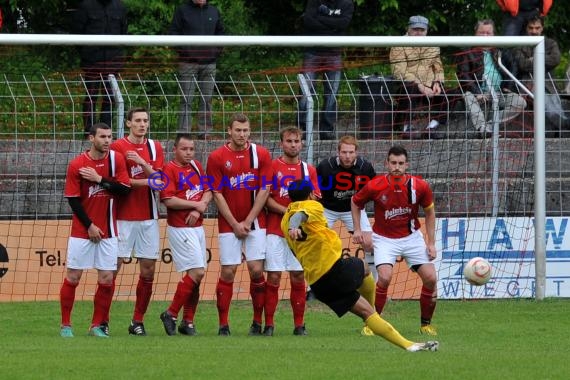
186,182
141,202
238,176
99,204
395,206
283,174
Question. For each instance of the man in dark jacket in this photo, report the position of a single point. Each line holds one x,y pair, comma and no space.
324,18
97,62
197,64
524,61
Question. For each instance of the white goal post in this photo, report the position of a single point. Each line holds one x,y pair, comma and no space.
358,41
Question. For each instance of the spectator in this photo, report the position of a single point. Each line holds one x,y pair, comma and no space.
421,70
197,65
479,75
324,18
524,62
97,62
516,13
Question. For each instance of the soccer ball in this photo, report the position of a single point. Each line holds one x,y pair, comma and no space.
477,271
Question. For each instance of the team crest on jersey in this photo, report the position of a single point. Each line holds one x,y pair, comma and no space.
228,164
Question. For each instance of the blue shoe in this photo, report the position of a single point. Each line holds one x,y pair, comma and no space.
98,332
66,332
105,327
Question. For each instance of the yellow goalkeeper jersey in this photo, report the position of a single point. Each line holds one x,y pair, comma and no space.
322,246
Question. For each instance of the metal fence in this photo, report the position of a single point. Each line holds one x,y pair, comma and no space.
42,124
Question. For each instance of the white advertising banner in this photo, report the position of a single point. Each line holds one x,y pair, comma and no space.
508,244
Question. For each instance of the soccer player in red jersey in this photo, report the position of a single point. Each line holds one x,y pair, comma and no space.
137,213
186,198
241,177
397,198
93,181
279,257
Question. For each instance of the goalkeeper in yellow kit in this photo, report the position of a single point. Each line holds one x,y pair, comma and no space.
343,284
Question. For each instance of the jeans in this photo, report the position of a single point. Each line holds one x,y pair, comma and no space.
97,86
329,68
515,25
413,103
202,76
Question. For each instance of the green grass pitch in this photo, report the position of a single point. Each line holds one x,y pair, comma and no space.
502,339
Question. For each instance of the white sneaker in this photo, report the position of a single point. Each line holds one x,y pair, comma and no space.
432,345
485,131
433,124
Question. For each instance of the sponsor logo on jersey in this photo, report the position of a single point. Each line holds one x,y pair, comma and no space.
396,212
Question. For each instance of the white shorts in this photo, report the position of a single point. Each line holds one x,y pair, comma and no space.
346,218
231,247
412,248
84,254
279,257
188,246
139,236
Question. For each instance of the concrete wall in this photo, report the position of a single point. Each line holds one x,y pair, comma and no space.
32,173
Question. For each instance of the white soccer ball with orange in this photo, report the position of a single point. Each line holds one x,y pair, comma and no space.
477,271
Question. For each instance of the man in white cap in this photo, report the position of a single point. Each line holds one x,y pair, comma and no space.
421,71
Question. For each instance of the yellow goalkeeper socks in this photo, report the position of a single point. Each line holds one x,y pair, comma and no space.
387,331
368,289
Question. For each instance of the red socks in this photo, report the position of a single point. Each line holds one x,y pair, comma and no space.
66,301
428,299
298,301
224,293
183,291
191,305
257,293
381,297
271,301
144,292
101,303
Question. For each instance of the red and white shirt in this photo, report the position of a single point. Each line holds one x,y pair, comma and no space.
283,174
185,182
396,206
238,176
141,202
99,204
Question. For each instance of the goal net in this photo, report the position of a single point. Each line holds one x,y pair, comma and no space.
483,180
